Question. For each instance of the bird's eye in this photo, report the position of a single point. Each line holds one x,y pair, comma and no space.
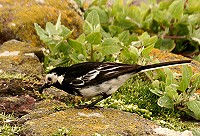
49,79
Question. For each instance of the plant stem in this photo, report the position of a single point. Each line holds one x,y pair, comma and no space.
91,53
173,37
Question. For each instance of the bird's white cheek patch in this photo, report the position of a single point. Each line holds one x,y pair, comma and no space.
60,79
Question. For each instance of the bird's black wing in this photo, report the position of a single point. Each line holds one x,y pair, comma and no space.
92,73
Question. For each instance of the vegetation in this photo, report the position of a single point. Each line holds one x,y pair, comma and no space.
62,132
93,45
134,97
6,127
178,93
127,33
175,22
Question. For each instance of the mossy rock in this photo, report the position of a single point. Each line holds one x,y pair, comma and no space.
18,16
41,109
89,122
17,105
20,69
19,57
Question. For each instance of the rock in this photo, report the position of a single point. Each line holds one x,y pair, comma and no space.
168,132
19,57
21,70
21,105
18,16
41,109
87,122
90,122
63,96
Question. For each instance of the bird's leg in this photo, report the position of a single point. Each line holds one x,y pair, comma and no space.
104,96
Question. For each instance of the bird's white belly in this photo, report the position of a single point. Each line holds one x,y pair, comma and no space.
108,87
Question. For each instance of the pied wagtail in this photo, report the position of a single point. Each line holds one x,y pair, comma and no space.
91,79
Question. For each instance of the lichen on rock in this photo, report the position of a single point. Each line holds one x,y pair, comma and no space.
20,57
17,18
101,121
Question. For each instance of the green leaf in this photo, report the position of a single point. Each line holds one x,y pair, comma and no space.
64,32
124,22
156,91
176,9
56,48
51,29
171,92
156,88
102,13
165,44
146,51
150,41
124,37
129,55
160,75
144,36
166,102
87,27
58,23
196,35
110,46
196,81
93,18
170,77
81,38
193,19
165,4
77,46
194,106
75,57
91,22
39,30
94,38
186,77
158,15
41,33
155,84
134,52
115,30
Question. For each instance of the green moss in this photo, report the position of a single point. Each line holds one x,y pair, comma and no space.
6,129
18,76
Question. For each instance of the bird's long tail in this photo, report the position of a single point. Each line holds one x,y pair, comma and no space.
163,65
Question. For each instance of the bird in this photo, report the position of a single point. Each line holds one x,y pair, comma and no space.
90,79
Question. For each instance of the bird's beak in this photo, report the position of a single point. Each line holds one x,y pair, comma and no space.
46,85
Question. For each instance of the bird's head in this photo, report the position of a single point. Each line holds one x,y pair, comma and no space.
51,79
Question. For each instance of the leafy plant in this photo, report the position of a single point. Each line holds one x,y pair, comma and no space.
179,93
175,22
54,36
92,45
